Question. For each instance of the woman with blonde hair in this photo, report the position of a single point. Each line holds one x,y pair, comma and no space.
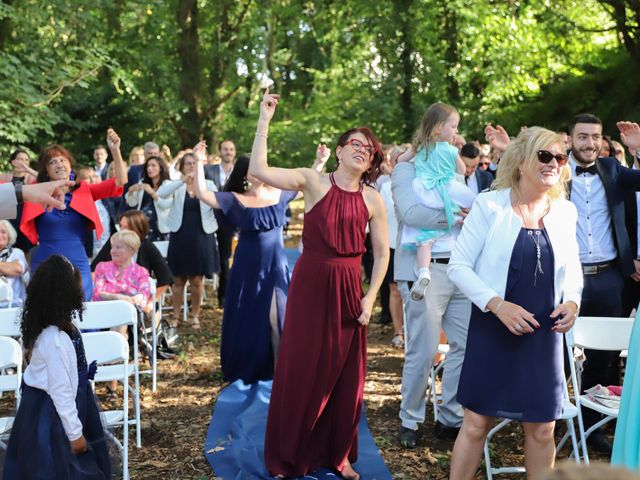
517,261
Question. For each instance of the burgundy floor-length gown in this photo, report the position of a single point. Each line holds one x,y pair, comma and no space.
319,378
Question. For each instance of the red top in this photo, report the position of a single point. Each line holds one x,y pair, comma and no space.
83,201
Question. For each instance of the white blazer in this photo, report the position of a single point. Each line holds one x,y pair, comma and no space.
479,263
176,190
162,205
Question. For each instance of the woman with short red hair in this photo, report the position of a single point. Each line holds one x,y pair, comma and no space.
63,231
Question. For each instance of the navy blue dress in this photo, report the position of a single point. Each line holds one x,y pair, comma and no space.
39,447
509,376
63,232
259,269
192,252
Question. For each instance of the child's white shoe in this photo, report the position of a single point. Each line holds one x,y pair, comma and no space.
420,286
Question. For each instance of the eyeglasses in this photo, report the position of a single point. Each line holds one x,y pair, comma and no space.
545,156
484,164
359,146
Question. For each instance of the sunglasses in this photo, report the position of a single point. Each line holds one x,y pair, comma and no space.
545,156
359,146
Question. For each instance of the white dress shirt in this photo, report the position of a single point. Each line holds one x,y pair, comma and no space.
472,182
54,368
594,231
105,219
224,176
389,206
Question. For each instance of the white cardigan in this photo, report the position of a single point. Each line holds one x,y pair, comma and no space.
479,263
176,190
162,204
53,368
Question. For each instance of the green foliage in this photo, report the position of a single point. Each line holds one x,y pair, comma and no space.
175,71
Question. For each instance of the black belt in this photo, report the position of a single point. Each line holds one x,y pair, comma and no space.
444,261
596,268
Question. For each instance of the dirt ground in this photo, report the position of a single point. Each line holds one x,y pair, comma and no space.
176,417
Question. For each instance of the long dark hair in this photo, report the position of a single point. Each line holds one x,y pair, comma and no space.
377,157
164,171
54,296
237,181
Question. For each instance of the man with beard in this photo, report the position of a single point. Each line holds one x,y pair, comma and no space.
219,174
598,192
598,189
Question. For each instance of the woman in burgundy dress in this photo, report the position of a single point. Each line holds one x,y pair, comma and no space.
319,377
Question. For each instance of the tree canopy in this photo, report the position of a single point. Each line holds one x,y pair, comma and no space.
174,71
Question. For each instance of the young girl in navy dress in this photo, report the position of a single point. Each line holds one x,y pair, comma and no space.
57,431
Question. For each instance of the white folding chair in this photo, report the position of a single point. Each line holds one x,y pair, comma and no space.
595,333
569,412
156,316
10,358
6,295
432,394
116,313
10,322
112,348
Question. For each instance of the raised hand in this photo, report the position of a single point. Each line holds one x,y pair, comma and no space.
630,134
322,153
200,150
497,137
113,140
268,105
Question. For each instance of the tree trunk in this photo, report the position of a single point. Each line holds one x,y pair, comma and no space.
403,12
189,77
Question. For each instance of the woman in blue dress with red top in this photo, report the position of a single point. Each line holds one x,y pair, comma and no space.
517,261
63,232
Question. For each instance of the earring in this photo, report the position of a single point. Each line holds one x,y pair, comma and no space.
246,184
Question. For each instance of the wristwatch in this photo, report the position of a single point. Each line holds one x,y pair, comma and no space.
18,189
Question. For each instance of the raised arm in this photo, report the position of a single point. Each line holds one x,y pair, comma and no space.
282,178
202,192
113,141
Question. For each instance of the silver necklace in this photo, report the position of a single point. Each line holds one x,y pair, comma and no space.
535,236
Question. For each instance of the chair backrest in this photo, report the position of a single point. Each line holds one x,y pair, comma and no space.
10,357
107,314
10,322
601,333
105,347
163,247
6,294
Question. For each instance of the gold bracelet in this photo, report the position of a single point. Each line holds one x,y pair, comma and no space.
263,135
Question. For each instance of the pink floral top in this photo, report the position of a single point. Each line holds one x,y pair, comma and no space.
134,280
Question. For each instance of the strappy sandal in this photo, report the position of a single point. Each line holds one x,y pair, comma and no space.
196,323
397,341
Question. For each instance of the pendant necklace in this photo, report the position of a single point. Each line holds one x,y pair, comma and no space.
535,236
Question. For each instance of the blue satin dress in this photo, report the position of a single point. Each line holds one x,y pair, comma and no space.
63,232
260,270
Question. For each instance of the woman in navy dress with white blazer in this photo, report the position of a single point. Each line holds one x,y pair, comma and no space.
193,251
517,261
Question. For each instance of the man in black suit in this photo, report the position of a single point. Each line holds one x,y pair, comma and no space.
476,179
219,174
598,190
100,156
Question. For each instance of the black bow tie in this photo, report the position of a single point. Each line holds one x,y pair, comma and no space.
592,169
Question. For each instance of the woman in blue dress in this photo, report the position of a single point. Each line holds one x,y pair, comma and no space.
517,261
258,281
63,232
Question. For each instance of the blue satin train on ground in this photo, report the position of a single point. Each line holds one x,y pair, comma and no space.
235,439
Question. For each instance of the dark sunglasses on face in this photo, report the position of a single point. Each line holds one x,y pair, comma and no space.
545,156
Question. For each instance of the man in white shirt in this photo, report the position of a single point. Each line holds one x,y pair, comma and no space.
100,156
476,179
